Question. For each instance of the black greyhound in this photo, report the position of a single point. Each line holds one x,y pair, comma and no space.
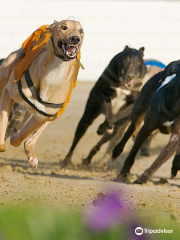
124,72
163,113
122,119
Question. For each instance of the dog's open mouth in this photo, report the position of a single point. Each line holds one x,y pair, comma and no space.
129,83
70,51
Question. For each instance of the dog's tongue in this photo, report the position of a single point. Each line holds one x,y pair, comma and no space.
70,50
129,83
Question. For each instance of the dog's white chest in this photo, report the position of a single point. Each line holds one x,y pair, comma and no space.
121,91
119,101
56,79
56,73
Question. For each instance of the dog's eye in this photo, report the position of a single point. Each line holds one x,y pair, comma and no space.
125,61
63,27
138,63
81,31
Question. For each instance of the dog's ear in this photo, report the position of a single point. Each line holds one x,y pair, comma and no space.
141,50
126,47
143,70
52,25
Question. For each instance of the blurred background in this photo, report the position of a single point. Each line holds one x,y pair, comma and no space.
108,25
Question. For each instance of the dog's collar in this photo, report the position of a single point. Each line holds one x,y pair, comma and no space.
59,56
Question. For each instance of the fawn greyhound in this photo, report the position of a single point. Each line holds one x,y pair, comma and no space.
40,76
122,119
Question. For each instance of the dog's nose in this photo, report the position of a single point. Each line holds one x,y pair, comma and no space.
74,39
130,76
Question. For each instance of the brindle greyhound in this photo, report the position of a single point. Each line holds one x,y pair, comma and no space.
38,88
123,74
18,116
122,119
163,110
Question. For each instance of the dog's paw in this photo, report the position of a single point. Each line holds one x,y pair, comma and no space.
86,162
144,152
66,164
81,166
3,147
138,181
13,138
121,179
33,162
174,171
112,159
142,180
110,130
101,129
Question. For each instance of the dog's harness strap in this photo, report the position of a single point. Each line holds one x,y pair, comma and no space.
36,94
30,103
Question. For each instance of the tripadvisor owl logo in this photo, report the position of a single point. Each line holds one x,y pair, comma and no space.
138,231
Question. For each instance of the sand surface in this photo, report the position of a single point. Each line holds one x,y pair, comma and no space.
69,189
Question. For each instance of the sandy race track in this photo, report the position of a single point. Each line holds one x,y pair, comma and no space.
69,189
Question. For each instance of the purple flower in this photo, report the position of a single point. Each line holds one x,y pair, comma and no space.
109,211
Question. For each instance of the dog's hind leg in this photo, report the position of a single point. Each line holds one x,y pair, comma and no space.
165,154
7,67
176,163
5,110
30,143
145,149
19,117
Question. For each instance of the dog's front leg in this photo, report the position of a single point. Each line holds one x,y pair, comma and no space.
107,110
117,134
5,110
176,163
